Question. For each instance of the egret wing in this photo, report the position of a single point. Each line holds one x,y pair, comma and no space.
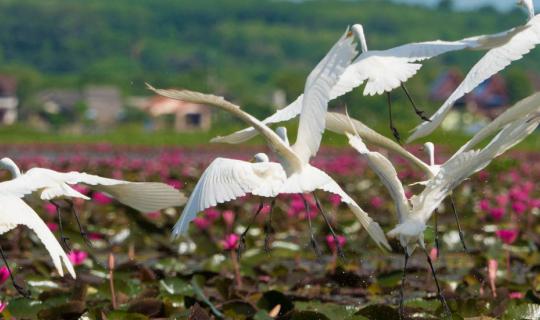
228,179
274,141
317,95
387,173
339,123
493,62
460,167
372,227
285,114
519,110
15,211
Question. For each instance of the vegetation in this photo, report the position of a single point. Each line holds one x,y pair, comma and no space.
243,49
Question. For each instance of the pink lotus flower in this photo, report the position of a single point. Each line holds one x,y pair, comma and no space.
95,236
408,194
153,215
4,274
77,257
228,217
377,202
212,214
50,208
52,226
485,205
507,236
201,223
516,295
502,200
331,242
230,242
534,203
434,254
496,213
335,200
101,198
483,175
492,275
81,189
175,183
3,306
519,207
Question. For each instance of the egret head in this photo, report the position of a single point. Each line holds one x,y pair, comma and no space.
282,133
260,157
358,31
11,166
429,148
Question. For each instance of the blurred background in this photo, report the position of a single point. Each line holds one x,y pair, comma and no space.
75,70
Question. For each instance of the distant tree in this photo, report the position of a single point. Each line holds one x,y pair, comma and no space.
446,4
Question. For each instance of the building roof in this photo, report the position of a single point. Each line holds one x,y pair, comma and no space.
159,105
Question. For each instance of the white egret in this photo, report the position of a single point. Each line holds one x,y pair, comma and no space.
382,71
494,61
142,196
301,177
414,214
342,124
13,212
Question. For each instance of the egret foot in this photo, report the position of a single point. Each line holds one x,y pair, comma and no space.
268,229
82,231
242,242
22,291
461,235
395,132
402,289
63,238
418,112
312,241
446,309
336,241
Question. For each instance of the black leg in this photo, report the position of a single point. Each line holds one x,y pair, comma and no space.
418,112
402,290
336,241
25,293
392,128
64,239
446,309
312,240
242,242
437,245
461,236
268,227
83,232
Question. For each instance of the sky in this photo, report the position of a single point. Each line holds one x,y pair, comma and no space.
470,4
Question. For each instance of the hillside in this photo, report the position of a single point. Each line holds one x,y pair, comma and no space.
244,49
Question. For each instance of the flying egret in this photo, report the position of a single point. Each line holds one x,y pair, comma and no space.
301,177
414,214
13,212
342,124
142,196
494,61
382,71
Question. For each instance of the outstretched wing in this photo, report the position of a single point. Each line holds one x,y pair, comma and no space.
228,179
372,227
317,95
339,123
386,172
273,140
519,110
142,196
493,62
285,114
462,166
15,211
